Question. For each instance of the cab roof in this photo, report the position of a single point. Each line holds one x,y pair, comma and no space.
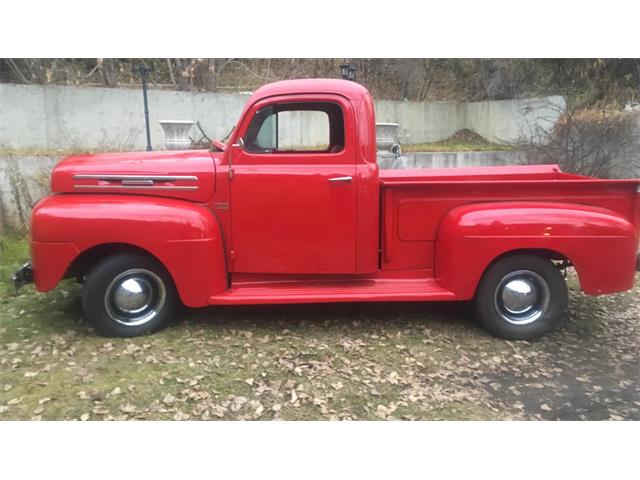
346,88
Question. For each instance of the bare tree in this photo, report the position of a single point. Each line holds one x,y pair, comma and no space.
428,76
109,71
594,142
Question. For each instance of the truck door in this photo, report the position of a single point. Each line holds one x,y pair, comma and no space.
293,188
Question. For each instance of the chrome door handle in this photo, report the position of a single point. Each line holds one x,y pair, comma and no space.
341,179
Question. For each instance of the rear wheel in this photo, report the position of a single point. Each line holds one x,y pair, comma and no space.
521,297
126,295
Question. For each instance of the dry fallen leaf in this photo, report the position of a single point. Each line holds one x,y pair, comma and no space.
84,417
128,408
169,399
238,402
181,416
545,407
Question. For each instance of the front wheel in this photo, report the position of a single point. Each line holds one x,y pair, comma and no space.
521,297
126,295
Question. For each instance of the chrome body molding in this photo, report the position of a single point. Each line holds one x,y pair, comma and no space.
137,182
141,187
119,178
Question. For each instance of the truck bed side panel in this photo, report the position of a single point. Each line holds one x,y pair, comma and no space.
413,212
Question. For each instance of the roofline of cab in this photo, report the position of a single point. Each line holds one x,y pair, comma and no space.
345,88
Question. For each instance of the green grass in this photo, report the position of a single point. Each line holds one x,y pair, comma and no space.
44,152
446,146
298,362
13,252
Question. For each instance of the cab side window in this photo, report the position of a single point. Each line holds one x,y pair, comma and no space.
297,128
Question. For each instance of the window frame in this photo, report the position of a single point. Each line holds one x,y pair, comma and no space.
334,117
344,156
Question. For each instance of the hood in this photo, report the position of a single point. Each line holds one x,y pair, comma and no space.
188,175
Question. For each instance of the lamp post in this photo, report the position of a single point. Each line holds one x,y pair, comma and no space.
348,72
144,73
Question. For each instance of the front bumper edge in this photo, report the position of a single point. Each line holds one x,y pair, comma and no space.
22,276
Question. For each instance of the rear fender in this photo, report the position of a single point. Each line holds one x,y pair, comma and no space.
185,237
600,243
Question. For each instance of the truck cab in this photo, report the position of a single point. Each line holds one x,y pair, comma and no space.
286,213
314,200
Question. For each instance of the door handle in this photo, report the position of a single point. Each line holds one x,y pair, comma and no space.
341,179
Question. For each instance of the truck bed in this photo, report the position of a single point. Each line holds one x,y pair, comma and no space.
428,194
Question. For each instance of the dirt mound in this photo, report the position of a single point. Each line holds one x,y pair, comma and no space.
466,136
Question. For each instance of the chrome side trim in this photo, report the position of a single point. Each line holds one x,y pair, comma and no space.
140,187
118,178
128,181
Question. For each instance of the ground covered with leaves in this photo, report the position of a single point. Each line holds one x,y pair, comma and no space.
350,361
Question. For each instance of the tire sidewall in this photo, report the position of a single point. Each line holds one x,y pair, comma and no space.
96,286
490,318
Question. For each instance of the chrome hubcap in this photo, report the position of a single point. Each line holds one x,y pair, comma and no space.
135,297
522,297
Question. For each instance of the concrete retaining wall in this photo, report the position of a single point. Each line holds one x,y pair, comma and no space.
454,159
48,117
110,119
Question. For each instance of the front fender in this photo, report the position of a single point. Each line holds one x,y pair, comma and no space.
601,244
185,237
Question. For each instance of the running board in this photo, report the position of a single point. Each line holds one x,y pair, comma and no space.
378,290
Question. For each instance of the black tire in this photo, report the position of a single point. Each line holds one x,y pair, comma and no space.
116,289
509,286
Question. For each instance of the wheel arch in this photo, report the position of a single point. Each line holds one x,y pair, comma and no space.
89,257
546,253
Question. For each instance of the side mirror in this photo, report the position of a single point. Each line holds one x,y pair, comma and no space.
240,143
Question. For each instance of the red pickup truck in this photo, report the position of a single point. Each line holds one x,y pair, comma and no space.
282,214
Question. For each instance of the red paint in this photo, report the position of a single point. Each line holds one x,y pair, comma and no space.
190,163
184,236
600,243
276,228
